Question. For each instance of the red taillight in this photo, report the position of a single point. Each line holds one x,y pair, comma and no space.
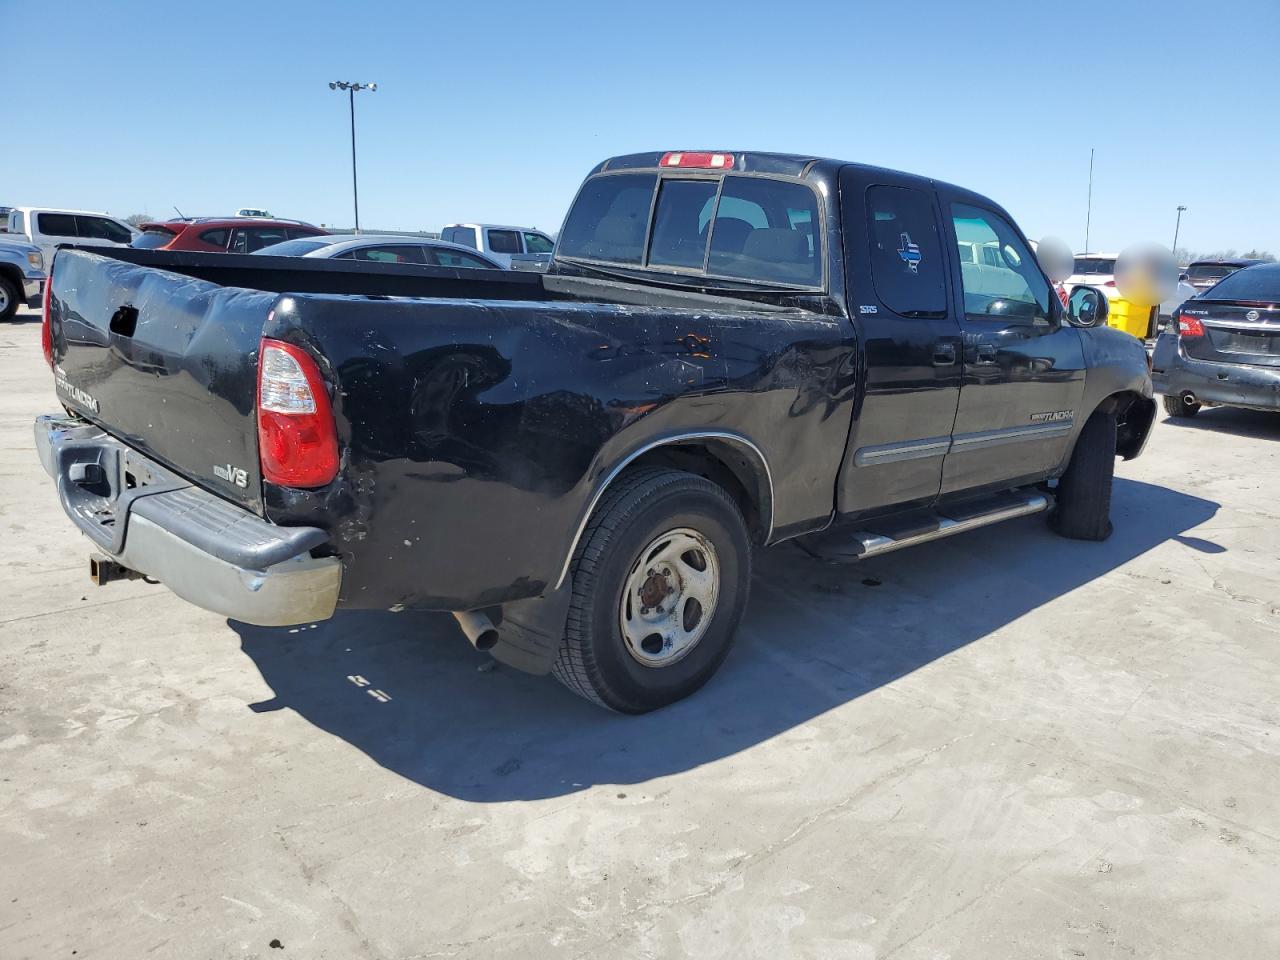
46,322
1109,283
297,441
713,161
1189,326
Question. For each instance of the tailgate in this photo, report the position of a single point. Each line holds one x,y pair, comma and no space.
164,362
1235,333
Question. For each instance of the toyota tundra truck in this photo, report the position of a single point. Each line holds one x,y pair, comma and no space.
730,350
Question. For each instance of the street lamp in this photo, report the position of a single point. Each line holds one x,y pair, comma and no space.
1177,224
352,89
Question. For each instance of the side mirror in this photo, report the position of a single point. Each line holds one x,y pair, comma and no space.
1087,307
1184,277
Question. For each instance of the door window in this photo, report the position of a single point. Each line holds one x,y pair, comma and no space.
504,241
392,253
249,239
216,238
56,224
680,223
906,251
100,228
456,258
537,243
1006,283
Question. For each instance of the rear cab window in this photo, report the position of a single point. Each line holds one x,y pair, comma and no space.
763,229
463,235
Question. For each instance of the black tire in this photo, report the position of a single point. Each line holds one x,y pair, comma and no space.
1175,406
1083,510
12,298
638,507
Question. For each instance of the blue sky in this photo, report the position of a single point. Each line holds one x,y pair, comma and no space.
494,111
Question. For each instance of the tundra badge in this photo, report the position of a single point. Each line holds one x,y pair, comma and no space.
237,475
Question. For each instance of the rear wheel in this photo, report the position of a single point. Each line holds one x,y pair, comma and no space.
10,298
1083,510
1178,406
660,580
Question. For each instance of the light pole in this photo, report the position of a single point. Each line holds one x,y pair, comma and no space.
1177,224
352,89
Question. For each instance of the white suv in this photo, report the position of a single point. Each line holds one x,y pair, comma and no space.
46,228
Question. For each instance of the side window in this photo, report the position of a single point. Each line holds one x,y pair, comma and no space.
906,251
217,238
763,230
537,243
56,224
100,228
1005,283
249,239
455,258
680,223
391,254
504,241
17,222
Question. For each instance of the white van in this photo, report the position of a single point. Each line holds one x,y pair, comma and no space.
530,248
47,227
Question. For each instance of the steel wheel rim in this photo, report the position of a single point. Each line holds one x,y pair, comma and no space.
4,299
669,597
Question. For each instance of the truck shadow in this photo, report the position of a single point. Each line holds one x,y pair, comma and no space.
408,691
1254,424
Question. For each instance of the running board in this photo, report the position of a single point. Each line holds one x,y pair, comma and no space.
842,545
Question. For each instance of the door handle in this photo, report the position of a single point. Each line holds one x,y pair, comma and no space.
944,354
986,353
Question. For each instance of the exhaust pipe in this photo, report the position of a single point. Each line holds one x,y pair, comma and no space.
1188,398
478,628
103,570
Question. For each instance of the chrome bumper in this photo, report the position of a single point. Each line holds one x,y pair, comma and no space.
206,550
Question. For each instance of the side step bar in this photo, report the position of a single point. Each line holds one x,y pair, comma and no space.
906,530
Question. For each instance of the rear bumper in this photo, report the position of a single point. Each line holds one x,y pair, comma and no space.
1173,373
206,550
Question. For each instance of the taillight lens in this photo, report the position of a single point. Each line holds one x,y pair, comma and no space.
297,440
46,322
1189,326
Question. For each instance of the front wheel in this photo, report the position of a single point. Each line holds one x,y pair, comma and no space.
660,580
1083,510
10,298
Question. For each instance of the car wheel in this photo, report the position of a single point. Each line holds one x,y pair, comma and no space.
660,579
1176,406
1083,510
10,298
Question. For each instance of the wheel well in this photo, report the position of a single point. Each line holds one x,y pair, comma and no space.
1134,415
12,273
728,465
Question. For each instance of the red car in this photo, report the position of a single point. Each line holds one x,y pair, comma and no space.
222,234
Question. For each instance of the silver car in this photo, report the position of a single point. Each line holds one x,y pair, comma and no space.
384,248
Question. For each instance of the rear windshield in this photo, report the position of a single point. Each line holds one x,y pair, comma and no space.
1209,271
1260,283
151,239
1095,265
752,228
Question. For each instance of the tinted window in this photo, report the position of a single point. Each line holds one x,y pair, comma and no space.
56,224
537,243
1260,283
100,228
762,231
17,222
217,238
906,251
680,223
1095,265
296,233
249,239
1012,288
609,218
151,239
463,235
293,248
391,253
504,241
456,258
1209,271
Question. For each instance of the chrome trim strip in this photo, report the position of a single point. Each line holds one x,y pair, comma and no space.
875,544
994,438
1243,326
897,452
653,445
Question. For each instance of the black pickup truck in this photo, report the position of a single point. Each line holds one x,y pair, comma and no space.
729,350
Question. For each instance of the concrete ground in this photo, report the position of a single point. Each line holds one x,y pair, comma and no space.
1004,745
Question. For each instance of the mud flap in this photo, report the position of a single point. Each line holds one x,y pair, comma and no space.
530,631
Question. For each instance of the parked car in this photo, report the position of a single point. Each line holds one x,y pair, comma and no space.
1203,274
518,248
1225,347
255,212
386,248
21,275
728,351
46,228
222,234
1099,270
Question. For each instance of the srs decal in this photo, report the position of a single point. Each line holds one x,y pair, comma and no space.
910,253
